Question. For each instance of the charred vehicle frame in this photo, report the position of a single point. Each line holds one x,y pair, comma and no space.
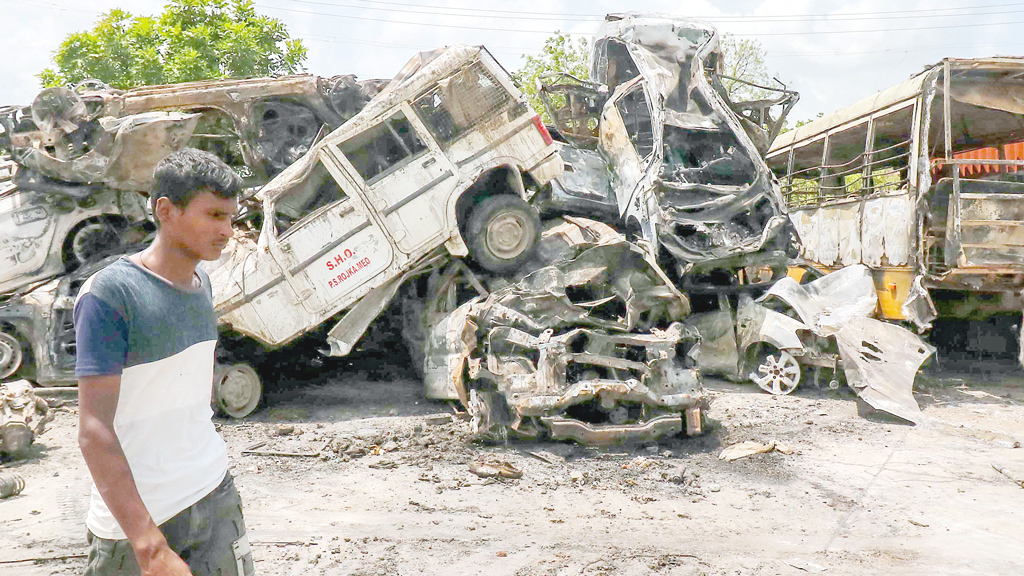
654,143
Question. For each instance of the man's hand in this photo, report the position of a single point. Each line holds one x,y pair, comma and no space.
160,560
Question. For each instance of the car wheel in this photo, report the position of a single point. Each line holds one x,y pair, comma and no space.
11,355
777,371
502,233
237,389
93,241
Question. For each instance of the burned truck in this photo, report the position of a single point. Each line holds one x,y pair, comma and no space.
85,156
653,143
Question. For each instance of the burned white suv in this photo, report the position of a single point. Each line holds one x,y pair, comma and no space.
447,155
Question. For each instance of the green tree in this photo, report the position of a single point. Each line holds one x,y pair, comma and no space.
561,53
745,60
191,40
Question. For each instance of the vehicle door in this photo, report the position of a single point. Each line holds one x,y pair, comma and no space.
26,235
327,243
407,178
627,138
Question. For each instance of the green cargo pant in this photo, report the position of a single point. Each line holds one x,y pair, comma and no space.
209,536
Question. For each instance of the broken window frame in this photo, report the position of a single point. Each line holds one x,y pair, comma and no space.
448,138
386,129
629,122
821,192
311,214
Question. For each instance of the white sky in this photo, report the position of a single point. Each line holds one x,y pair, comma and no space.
833,53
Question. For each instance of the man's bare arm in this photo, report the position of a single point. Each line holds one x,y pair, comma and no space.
97,402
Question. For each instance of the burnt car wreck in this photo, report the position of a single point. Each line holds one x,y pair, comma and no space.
822,333
85,156
588,345
654,144
421,197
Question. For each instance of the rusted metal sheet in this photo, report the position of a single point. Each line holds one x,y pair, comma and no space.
584,346
880,361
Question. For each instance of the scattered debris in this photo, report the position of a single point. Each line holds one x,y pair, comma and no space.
806,565
980,394
494,469
23,417
11,485
254,451
751,447
547,457
1004,472
438,419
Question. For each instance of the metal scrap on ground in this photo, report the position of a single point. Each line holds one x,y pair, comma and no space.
23,416
751,447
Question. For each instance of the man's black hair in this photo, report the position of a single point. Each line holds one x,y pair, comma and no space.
187,172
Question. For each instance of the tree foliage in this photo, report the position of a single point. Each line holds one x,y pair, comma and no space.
561,53
745,59
191,40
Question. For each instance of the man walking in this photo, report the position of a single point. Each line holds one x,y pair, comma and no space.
163,502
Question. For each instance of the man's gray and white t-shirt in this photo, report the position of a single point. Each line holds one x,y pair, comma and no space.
161,339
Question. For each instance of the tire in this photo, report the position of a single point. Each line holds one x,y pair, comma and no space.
502,233
92,241
237,389
11,355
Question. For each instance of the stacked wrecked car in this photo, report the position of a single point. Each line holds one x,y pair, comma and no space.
654,144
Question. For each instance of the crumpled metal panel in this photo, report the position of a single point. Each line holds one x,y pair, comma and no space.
596,329
848,231
717,351
899,216
918,306
828,235
872,232
827,303
123,156
804,222
755,323
881,361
